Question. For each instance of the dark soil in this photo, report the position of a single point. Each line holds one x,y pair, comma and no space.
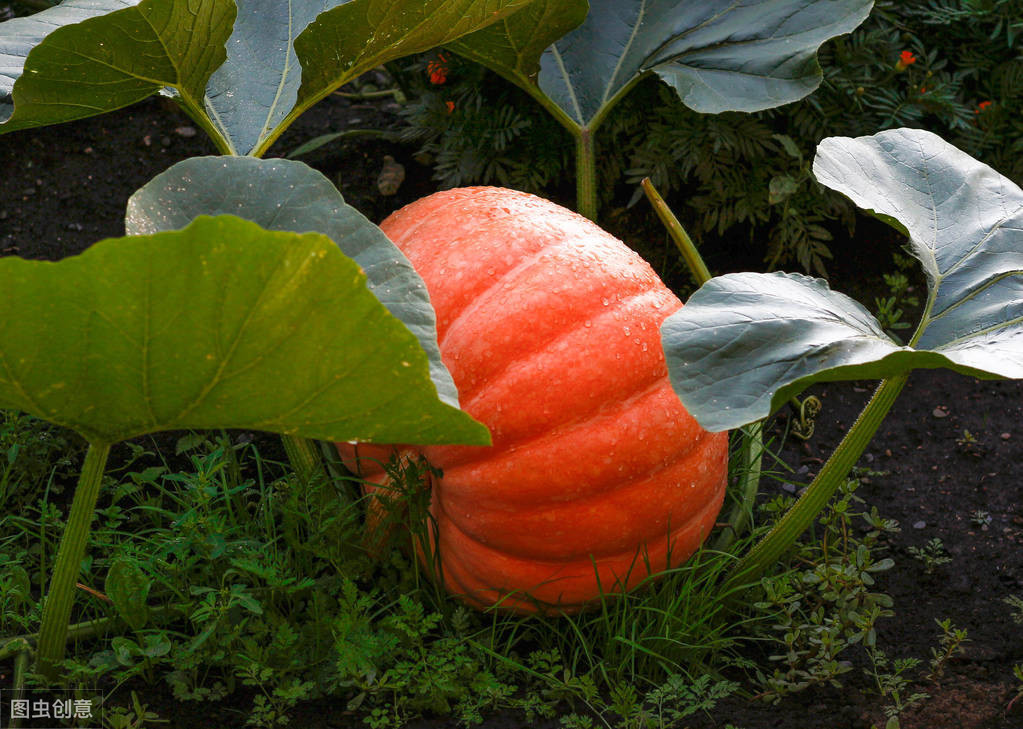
63,188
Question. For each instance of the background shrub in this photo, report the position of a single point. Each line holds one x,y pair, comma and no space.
951,66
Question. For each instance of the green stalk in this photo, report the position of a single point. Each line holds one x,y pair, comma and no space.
586,174
22,644
751,456
785,533
678,234
61,595
304,456
752,451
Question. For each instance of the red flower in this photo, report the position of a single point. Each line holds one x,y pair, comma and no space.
981,107
451,106
438,69
906,59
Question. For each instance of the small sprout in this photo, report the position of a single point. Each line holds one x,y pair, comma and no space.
969,445
932,555
980,519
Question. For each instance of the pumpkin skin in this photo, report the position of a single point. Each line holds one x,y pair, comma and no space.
597,475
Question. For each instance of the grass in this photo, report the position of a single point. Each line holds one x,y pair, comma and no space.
216,576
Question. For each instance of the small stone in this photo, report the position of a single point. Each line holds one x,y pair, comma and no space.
186,131
919,524
940,412
1005,436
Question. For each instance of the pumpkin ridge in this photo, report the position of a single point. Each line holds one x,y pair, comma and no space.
625,498
410,218
478,586
550,246
470,396
604,409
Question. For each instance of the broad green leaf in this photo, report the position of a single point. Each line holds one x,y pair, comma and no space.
512,47
256,88
744,55
285,195
745,343
220,325
74,61
280,57
128,587
359,35
21,35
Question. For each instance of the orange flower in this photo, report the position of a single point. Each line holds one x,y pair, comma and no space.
438,69
906,59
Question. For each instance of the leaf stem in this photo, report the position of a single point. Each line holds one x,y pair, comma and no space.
22,644
769,550
53,629
751,455
304,456
678,234
586,174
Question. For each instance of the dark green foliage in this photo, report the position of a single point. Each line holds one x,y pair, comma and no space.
747,176
473,127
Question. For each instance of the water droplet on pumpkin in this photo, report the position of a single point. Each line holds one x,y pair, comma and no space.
605,301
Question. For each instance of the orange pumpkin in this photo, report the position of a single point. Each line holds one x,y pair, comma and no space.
550,328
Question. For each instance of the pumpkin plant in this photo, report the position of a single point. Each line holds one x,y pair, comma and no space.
244,72
597,476
220,324
738,56
747,342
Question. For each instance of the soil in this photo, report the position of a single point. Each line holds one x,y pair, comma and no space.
949,451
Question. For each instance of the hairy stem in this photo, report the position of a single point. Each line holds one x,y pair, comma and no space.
304,456
61,595
678,234
785,533
586,174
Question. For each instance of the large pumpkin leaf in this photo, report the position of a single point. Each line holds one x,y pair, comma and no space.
256,88
84,58
359,35
745,343
285,195
222,324
512,47
282,57
743,55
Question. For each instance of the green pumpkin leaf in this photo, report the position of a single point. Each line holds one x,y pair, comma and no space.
285,195
359,35
737,56
85,58
244,82
513,46
745,343
128,587
219,325
256,88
